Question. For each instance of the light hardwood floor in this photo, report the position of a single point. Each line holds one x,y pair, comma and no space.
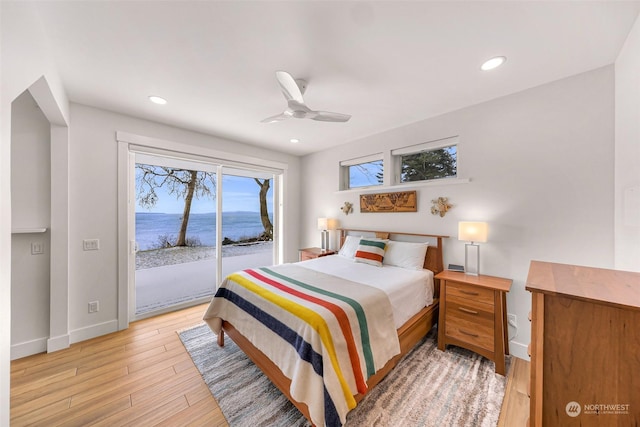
515,406
143,376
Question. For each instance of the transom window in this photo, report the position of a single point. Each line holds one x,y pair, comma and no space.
362,172
427,161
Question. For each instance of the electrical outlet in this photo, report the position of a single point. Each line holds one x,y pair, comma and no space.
512,320
94,307
91,244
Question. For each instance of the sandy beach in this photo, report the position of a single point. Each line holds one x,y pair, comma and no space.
179,255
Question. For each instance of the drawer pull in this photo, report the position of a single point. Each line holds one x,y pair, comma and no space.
469,292
466,310
469,333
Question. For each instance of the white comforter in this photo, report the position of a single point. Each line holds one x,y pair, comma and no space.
409,291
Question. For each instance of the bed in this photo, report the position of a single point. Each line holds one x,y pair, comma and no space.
327,330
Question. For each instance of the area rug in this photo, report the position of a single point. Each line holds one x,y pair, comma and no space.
427,388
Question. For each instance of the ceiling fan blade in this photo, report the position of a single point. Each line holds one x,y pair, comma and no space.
292,91
289,88
326,116
276,118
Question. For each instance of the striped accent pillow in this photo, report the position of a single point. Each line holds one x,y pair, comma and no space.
371,252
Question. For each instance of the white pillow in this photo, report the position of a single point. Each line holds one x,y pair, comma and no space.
405,255
349,247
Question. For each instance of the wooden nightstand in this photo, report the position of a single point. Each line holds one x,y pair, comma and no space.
311,253
473,314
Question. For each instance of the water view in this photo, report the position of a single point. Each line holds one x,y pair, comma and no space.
151,227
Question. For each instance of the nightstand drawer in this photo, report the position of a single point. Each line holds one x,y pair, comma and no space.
306,255
472,292
471,310
480,334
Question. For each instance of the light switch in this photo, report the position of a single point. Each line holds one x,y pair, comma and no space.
37,248
91,244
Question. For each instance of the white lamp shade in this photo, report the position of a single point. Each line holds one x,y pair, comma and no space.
473,231
332,224
327,224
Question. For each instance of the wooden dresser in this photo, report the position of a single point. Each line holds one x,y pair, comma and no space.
473,312
585,346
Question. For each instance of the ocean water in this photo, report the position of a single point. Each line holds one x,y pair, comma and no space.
235,226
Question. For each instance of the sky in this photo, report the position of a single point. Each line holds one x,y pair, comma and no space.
364,174
240,194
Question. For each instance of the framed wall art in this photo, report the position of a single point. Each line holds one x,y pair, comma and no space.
403,201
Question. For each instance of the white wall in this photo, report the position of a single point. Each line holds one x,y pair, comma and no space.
93,206
627,154
541,169
25,59
31,208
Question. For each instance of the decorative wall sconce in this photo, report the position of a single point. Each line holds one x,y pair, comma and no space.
440,206
347,208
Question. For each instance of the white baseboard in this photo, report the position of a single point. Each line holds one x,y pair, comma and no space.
519,350
58,343
45,344
93,331
28,348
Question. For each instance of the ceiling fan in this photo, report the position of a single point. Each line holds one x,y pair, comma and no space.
292,90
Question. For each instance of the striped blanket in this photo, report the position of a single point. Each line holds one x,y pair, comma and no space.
328,335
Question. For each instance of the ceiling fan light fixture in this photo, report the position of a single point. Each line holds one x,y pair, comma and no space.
492,63
294,140
157,100
292,90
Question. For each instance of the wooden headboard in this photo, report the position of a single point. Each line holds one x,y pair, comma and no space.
432,261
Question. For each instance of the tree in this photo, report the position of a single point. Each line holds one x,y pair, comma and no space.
428,165
264,213
183,183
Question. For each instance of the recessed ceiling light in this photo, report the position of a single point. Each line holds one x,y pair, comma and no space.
493,63
294,140
157,100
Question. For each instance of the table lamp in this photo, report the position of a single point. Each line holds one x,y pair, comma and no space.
326,224
473,233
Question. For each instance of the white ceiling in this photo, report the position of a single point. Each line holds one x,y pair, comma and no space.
386,63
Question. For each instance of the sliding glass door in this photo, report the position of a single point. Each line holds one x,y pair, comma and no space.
194,223
247,219
175,233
